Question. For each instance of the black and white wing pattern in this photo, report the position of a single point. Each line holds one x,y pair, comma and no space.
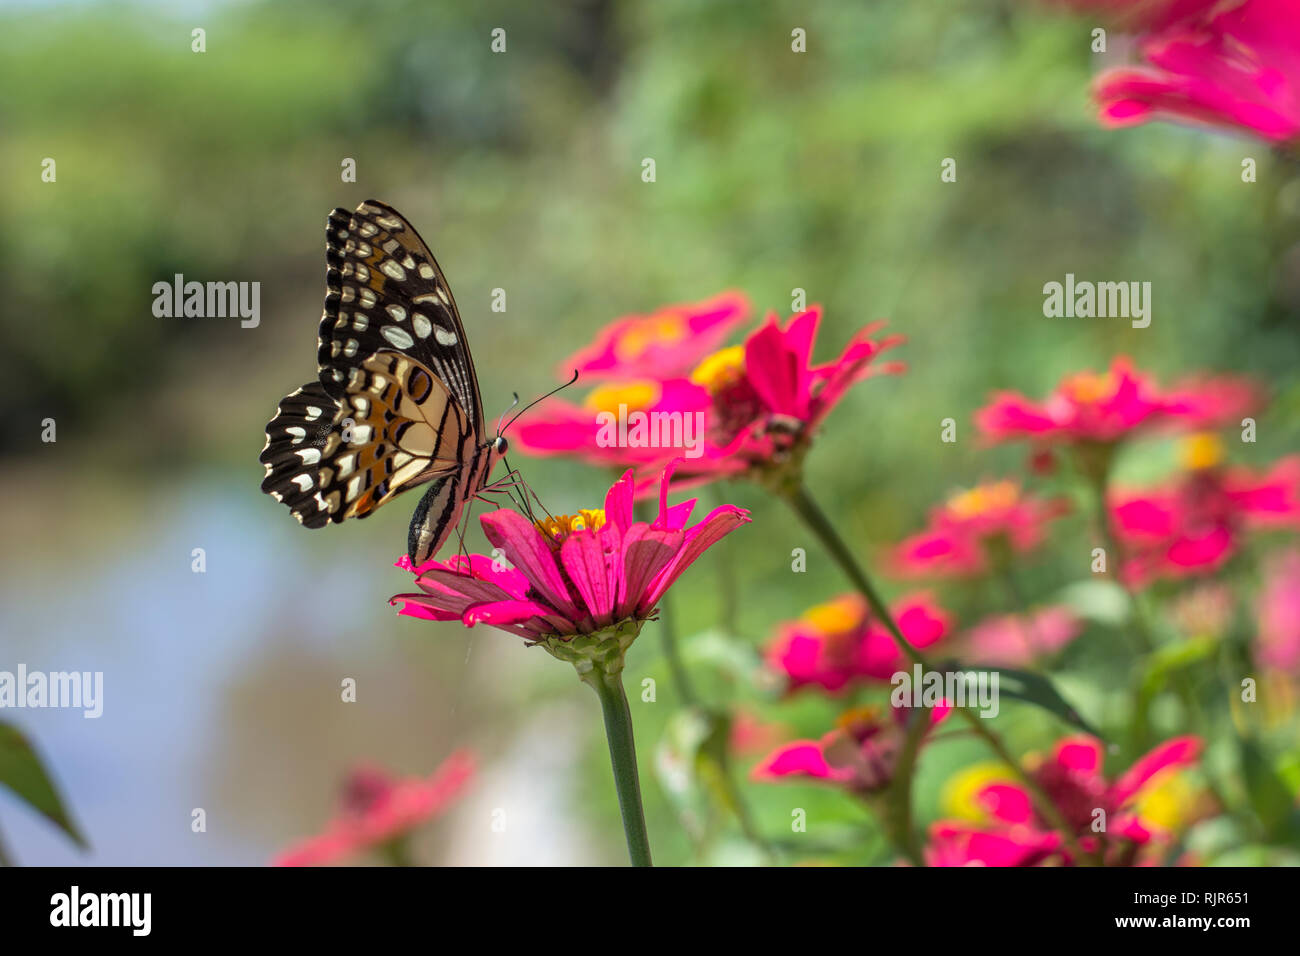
397,402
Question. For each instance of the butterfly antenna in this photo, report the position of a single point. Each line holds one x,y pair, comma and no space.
558,388
507,411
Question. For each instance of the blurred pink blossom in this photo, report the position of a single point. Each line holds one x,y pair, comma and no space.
377,809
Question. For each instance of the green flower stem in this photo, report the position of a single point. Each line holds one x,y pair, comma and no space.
672,652
622,756
397,851
807,509
5,858
1100,486
598,658
898,799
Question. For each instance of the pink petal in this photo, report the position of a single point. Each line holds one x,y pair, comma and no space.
531,554
1179,752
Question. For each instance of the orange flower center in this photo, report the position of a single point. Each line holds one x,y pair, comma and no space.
635,395
1200,451
561,526
834,617
662,328
1089,388
983,499
720,370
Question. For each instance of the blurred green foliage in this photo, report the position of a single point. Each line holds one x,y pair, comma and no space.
775,171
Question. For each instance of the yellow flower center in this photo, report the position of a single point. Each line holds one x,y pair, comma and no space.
834,617
635,395
858,717
983,499
1088,388
959,793
561,526
720,370
663,328
1200,451
1170,801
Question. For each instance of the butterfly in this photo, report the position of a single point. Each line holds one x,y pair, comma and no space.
397,401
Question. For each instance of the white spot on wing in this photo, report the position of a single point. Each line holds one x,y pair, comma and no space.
400,337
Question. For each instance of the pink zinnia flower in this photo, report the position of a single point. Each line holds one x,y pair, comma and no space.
378,809
751,734
1279,614
1142,14
976,529
1018,640
860,754
760,404
839,643
1072,778
1233,65
1194,524
962,844
668,342
1104,408
572,575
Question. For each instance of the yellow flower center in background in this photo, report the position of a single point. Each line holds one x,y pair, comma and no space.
834,617
662,328
1170,801
561,526
983,499
858,717
1088,388
721,369
959,793
635,395
1200,451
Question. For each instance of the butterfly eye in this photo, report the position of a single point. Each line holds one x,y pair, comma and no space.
500,445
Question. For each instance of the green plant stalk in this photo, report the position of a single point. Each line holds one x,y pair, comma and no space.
672,652
622,757
599,659
808,511
898,799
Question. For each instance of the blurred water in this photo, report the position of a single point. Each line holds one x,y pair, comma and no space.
221,691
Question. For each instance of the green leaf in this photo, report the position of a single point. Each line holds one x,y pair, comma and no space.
1172,658
1270,797
1035,689
21,771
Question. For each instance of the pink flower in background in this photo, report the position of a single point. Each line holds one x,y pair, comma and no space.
1018,640
838,643
572,575
962,844
966,532
1142,14
1194,524
377,809
1105,408
751,734
1072,778
860,754
1233,65
1279,614
759,402
666,343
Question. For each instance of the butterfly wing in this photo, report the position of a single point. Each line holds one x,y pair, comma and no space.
397,402
387,292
